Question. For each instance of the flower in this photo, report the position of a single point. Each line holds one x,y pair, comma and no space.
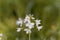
29,22
19,22
28,31
19,29
39,28
38,22
26,21
31,25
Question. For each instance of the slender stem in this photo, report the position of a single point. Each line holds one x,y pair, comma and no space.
29,36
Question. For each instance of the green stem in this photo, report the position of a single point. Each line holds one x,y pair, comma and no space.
29,36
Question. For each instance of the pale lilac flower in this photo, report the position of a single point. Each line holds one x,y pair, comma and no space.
38,22
19,22
28,31
31,25
26,20
19,29
39,28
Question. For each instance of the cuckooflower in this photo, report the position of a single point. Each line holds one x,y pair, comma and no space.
38,22
31,25
26,20
39,28
19,22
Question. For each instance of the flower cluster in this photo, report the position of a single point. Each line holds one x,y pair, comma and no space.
29,22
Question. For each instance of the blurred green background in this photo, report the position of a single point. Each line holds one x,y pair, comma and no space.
46,10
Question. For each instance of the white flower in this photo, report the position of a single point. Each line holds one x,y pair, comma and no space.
1,34
39,28
28,31
38,22
19,29
26,21
19,22
31,25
